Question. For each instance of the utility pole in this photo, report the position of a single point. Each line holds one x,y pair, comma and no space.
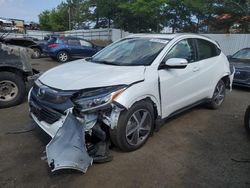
69,18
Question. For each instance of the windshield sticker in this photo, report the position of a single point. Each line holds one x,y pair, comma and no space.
159,41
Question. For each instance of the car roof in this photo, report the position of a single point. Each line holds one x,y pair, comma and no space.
73,38
169,36
175,35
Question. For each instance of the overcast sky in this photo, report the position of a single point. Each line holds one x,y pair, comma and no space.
27,10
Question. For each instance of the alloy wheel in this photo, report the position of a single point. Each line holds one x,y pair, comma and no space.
138,127
219,93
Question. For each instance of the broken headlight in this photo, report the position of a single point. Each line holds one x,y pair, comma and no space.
94,99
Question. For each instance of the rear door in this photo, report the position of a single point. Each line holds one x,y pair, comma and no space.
210,65
74,47
87,49
180,87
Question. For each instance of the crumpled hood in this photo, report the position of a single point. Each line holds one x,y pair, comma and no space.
81,74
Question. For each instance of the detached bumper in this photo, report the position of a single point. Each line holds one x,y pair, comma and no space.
67,150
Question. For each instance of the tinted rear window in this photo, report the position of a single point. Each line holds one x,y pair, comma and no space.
207,49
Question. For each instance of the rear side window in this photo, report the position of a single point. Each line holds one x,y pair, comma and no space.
207,49
74,42
85,43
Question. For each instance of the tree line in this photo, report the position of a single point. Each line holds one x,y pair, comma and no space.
149,15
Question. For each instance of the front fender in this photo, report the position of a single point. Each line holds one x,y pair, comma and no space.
140,92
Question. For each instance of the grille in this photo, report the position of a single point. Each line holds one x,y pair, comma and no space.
44,114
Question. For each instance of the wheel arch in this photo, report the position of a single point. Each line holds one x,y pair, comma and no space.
149,98
62,50
14,70
226,80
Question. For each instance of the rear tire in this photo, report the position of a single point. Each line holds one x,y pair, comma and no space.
63,56
247,120
134,127
218,96
12,89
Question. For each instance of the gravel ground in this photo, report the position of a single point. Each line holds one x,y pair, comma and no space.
194,149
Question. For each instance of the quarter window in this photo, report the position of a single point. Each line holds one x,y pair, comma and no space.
183,49
207,49
85,43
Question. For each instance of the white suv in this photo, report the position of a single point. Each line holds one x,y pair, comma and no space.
126,90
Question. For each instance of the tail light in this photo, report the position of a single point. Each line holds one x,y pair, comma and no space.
52,45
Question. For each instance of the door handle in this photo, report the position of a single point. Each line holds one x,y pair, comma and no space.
195,69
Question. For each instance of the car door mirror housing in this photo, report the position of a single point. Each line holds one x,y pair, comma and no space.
175,63
229,57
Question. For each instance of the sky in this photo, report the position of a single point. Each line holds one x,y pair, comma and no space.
27,10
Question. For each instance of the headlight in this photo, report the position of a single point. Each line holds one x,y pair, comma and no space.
97,98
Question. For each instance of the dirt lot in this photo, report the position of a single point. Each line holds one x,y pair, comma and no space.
195,149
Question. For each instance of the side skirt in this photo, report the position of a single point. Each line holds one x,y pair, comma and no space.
160,121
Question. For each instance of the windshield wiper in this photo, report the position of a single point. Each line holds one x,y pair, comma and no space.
104,62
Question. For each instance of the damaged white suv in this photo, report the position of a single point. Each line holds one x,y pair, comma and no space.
127,89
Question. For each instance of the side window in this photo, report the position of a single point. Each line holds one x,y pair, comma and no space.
85,43
74,42
207,49
183,49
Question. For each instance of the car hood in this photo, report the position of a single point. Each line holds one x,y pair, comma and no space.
81,74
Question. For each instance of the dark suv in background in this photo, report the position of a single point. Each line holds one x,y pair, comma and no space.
37,46
63,49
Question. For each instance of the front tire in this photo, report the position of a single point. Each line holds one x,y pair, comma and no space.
12,89
247,120
218,96
134,127
63,56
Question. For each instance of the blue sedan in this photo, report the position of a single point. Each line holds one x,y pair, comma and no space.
64,49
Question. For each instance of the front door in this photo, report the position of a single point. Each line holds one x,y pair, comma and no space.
180,87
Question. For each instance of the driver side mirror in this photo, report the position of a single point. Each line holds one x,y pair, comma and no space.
175,63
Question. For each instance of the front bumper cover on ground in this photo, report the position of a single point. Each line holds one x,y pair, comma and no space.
67,149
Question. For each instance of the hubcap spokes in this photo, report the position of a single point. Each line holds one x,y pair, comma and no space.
8,90
138,127
63,57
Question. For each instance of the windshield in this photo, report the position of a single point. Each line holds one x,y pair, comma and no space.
131,52
242,54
